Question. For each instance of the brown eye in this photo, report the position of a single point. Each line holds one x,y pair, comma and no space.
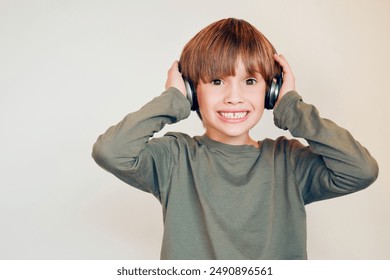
217,82
250,82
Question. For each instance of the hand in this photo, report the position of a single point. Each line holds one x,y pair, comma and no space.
288,77
175,79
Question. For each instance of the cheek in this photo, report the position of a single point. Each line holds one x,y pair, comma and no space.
258,101
200,97
206,100
257,96
262,95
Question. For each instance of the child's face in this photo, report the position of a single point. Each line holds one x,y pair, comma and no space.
231,106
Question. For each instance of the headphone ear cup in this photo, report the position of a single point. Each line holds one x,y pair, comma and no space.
272,94
191,95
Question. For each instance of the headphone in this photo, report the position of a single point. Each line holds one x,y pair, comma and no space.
271,95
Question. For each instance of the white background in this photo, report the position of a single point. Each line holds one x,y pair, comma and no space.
70,69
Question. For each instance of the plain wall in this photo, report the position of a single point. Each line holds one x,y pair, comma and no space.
70,69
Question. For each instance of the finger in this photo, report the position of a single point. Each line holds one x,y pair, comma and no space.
174,70
282,62
288,76
174,78
175,66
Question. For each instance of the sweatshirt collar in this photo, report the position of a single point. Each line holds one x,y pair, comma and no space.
210,143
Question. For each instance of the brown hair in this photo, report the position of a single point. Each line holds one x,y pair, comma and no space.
213,52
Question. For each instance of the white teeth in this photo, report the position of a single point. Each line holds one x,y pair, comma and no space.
231,115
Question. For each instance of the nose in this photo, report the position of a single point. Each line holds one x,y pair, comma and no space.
233,95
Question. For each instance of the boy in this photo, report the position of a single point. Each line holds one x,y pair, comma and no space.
225,195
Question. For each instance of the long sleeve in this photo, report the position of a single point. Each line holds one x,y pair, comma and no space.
126,151
334,164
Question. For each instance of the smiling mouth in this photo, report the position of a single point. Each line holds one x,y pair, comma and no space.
233,115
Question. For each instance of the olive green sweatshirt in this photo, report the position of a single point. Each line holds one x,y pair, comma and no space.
222,201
